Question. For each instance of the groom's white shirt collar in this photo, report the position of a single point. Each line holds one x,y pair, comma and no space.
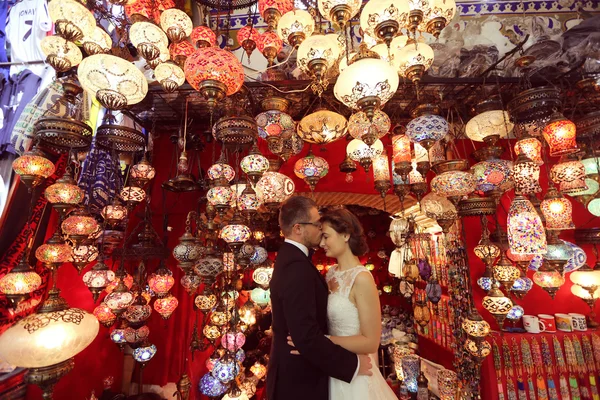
298,245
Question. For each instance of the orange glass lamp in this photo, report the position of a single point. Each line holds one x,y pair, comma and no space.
505,272
531,148
269,44
475,326
557,210
79,225
381,174
311,169
165,306
54,252
19,283
570,176
548,279
203,36
98,278
401,155
560,134
526,175
64,194
272,10
33,168
247,38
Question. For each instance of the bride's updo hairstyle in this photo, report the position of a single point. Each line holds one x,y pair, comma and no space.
344,222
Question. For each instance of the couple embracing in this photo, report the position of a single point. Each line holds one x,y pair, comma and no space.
326,332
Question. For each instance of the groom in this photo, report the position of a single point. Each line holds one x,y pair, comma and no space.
299,305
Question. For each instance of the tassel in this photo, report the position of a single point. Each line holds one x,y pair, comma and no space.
541,389
552,393
521,392
565,394
531,389
594,387
575,393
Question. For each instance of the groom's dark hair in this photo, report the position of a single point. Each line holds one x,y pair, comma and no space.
293,210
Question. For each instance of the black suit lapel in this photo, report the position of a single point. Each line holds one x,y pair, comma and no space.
295,250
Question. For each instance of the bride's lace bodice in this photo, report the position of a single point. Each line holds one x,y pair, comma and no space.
342,314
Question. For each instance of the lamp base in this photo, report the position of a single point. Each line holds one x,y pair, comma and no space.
47,377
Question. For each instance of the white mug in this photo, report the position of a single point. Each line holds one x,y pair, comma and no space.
579,322
564,322
532,324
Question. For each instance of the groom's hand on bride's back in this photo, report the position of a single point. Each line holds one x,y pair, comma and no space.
365,365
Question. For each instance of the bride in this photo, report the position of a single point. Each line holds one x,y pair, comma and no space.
353,310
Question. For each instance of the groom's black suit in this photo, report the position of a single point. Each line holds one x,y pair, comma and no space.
299,305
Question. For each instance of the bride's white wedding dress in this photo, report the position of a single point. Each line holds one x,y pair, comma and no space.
343,320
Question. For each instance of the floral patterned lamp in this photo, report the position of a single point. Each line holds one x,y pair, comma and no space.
526,233
557,211
311,169
33,168
369,130
560,135
427,127
322,127
295,26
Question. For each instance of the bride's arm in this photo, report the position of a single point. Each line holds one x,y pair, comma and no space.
366,298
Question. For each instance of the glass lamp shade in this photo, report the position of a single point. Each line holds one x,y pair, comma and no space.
399,231
138,312
526,176
311,169
381,168
260,296
438,207
359,151
127,281
97,41
181,51
235,233
61,54
427,129
339,11
591,165
83,254
454,184
516,312
148,39
586,278
488,123
72,19
114,82
215,65
208,267
478,349
259,370
496,303
247,38
211,332
594,207
44,339
506,274
133,194
221,171
447,383
366,79
228,261
187,251
411,367
98,278
369,130
246,199
169,75
560,134
144,354
64,191
281,6
570,176
550,281
20,281
161,282
322,127
380,14
295,26
219,196
118,301
493,175
79,225
560,251
211,386
205,301
584,294
104,315
274,188
476,327
165,306
176,23
558,212
53,252
269,44
317,48
275,124
286,147
254,164
526,233
401,149
260,255
203,36
114,213
190,282
33,168
531,148
413,59
437,15
233,341
262,276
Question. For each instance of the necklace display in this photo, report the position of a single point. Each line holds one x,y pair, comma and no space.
549,365
536,355
498,368
562,369
588,356
521,390
527,365
508,368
